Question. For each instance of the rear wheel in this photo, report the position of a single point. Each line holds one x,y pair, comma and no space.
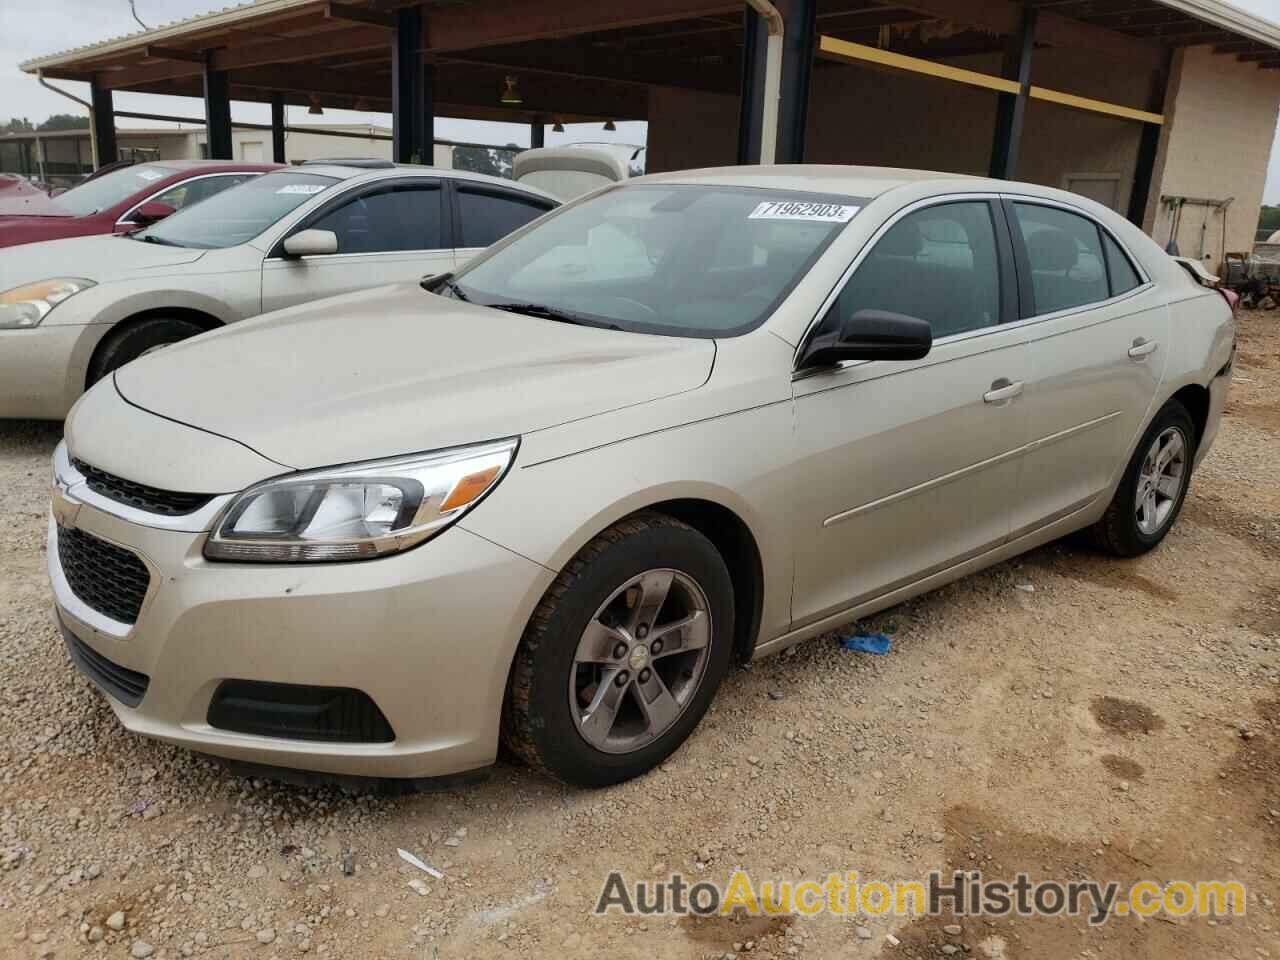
1154,486
135,340
624,654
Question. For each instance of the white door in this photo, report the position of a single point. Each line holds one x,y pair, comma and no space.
387,233
251,151
1098,348
909,467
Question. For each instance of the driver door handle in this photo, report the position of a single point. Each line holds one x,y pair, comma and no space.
1002,389
1142,347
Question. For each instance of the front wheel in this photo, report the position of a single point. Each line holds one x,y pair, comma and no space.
1153,488
624,654
137,339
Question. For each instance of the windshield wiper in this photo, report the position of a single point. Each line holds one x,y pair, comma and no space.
148,238
546,312
446,281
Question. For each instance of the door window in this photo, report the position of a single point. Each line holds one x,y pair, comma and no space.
1123,277
488,217
401,217
1064,251
938,264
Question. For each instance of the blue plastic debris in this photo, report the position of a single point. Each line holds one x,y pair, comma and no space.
877,643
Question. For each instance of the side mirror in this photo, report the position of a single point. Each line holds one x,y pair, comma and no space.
871,335
311,243
151,212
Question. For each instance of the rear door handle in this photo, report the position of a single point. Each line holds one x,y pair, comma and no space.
1002,389
1142,347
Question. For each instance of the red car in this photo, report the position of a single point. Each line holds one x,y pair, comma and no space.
119,201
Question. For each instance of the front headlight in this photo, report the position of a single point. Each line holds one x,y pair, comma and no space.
27,305
359,511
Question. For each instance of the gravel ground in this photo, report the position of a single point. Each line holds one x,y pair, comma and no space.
1120,721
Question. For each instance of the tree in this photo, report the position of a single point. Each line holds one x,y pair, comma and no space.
1269,221
16,125
65,121
493,161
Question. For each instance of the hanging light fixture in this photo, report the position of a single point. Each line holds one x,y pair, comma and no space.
608,125
315,109
510,95
557,127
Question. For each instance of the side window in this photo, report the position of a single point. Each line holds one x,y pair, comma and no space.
488,217
403,217
1123,277
938,264
1065,254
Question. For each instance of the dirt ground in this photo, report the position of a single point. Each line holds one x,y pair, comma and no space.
1120,721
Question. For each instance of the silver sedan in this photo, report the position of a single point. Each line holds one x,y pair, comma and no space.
686,420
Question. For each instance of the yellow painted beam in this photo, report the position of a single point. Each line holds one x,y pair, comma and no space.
836,49
1096,106
843,50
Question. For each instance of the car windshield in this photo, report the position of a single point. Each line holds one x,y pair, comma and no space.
106,191
238,214
679,260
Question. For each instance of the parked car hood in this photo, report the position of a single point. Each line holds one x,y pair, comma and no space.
29,202
397,370
99,258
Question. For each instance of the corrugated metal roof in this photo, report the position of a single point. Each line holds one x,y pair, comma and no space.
222,17
1215,12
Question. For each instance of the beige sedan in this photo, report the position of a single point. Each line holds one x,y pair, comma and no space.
687,420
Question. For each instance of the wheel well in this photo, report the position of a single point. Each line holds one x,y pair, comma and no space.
737,546
1196,399
205,321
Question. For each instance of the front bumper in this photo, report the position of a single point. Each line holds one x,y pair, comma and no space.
428,635
43,369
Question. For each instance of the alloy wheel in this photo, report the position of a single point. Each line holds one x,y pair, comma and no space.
1160,480
640,660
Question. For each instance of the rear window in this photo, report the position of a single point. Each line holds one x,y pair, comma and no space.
488,217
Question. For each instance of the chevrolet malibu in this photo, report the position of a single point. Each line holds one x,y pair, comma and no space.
688,419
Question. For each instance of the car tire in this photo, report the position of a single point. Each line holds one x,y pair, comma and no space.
135,339
601,599
1133,525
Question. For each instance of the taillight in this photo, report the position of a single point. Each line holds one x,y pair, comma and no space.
1232,298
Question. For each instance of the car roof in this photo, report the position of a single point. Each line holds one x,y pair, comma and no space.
850,181
342,171
210,166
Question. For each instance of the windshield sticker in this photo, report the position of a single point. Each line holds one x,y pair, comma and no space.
306,189
149,175
793,210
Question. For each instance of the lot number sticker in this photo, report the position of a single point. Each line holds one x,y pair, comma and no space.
793,210
306,189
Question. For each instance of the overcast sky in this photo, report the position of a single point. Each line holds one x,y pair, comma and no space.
32,28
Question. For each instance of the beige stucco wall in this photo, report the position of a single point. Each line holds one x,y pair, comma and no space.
1220,120
689,129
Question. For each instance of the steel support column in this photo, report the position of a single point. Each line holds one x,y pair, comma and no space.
104,125
217,113
751,92
798,42
412,93
537,134
277,129
1149,148
1011,109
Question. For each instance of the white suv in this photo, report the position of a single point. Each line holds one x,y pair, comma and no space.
72,311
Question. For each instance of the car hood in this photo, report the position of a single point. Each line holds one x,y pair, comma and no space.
28,202
396,370
98,258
